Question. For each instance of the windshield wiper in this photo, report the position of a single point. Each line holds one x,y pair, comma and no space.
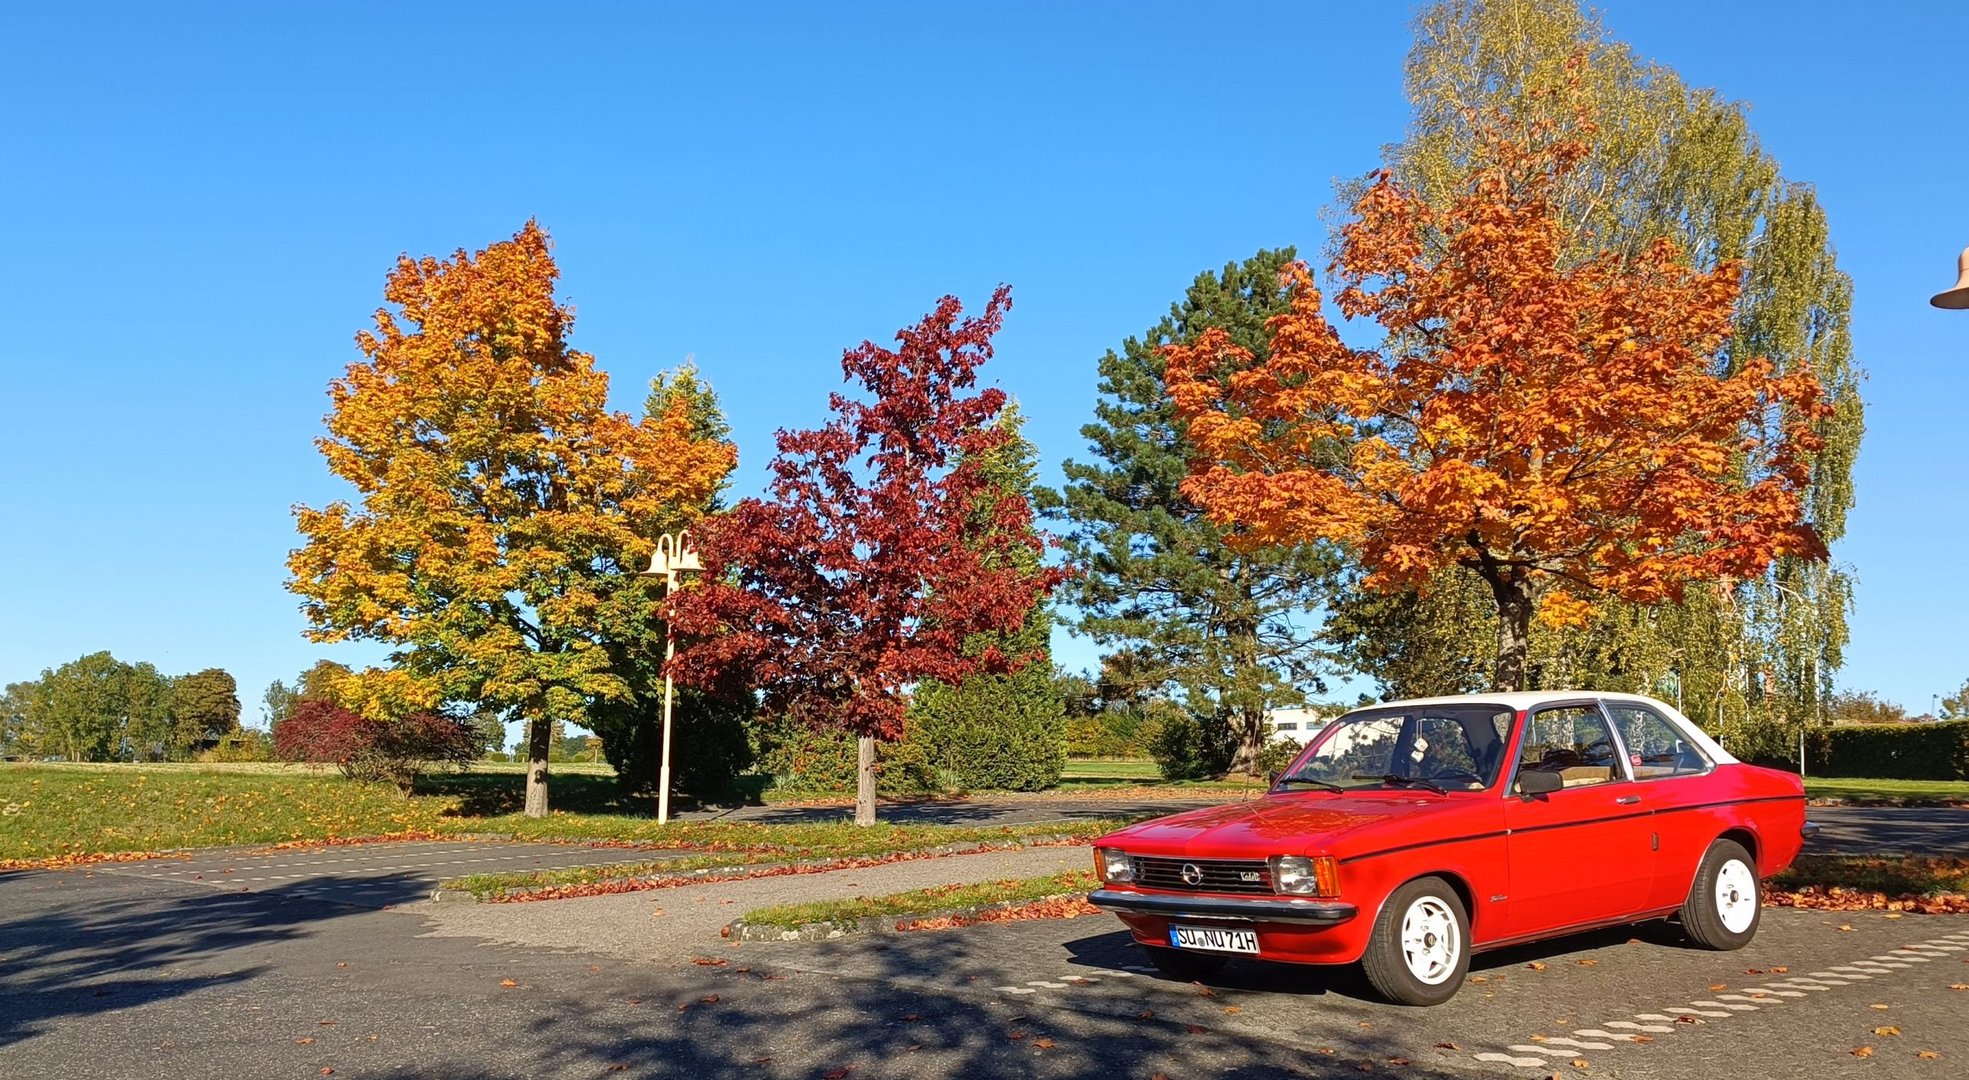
1327,784
1404,781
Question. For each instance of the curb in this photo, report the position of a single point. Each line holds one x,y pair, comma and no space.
827,930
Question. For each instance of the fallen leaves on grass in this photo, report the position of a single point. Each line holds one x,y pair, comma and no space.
346,841
64,862
1061,907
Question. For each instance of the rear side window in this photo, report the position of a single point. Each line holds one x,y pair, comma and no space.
1655,748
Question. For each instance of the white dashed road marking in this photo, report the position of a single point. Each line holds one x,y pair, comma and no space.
1727,1006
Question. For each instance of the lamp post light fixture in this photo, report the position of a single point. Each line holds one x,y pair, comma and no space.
1958,297
674,557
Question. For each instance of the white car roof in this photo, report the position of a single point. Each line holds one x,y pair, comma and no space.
1524,700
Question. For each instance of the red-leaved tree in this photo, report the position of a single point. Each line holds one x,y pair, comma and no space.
868,566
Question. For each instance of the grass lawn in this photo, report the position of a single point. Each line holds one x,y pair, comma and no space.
1110,769
1887,791
925,901
54,811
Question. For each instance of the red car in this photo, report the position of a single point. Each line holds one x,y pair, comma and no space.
1410,835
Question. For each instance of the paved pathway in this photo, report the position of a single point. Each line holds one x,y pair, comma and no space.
683,920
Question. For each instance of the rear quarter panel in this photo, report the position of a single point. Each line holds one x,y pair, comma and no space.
1763,807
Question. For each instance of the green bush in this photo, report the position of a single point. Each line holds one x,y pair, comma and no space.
813,761
1277,755
709,746
246,744
1891,751
1186,747
1116,732
993,732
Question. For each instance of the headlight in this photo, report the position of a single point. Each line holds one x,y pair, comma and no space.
1301,875
1113,865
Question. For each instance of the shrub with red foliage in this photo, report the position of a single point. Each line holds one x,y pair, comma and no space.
373,750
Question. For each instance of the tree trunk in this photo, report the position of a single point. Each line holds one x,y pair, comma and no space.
1513,631
1249,724
865,780
539,735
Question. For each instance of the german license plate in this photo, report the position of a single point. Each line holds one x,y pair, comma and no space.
1213,939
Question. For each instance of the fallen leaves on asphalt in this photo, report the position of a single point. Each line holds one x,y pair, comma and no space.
508,983
1889,1030
1861,1051
1536,966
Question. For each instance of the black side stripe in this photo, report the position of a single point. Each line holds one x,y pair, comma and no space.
1570,825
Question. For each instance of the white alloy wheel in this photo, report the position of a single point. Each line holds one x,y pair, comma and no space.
1432,942
1736,896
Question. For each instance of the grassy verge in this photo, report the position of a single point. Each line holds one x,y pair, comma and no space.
738,845
1891,792
942,898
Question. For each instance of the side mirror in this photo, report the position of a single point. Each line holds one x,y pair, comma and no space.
1539,782
1271,778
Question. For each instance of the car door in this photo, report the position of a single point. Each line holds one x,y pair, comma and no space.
1671,773
1582,854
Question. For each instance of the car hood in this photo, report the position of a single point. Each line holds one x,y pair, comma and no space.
1298,823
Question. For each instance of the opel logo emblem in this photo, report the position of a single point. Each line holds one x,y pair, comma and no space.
1192,874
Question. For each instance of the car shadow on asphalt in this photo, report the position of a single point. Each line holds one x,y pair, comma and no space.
749,1025
85,954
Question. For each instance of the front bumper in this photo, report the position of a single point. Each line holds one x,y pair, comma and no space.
1233,909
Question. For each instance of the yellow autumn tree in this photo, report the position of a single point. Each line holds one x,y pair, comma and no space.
500,505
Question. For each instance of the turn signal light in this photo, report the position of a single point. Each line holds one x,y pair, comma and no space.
1302,875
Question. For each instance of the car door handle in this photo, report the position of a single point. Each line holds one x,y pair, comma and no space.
1628,800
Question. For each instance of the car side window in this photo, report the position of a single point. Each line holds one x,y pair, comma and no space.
1654,747
1573,741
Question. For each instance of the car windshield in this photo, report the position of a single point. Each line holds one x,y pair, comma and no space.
1441,747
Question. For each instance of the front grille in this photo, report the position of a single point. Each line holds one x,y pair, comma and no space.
1218,875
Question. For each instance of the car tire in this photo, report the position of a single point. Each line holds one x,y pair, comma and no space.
1419,950
1188,966
1726,901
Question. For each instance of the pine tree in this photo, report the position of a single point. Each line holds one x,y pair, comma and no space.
1229,631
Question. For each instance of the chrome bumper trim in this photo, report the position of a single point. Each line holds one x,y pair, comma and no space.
1313,912
1809,829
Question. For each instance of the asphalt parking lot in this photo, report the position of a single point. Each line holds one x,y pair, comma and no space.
298,962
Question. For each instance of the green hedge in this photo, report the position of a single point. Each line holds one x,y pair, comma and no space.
1891,751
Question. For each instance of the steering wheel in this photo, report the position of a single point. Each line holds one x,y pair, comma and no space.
1597,750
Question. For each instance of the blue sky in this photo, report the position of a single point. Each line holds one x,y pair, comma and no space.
206,199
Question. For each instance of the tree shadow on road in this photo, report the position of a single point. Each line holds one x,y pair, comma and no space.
72,943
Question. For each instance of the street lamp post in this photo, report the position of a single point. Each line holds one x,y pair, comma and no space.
1958,297
674,557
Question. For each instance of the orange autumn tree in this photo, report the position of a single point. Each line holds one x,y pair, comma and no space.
1563,429
502,510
